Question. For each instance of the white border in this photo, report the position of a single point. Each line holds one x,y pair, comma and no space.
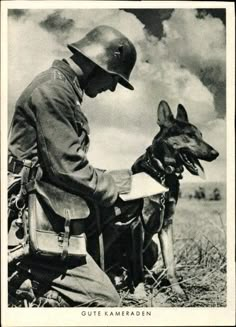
160,316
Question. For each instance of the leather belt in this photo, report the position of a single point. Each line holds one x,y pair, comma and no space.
15,166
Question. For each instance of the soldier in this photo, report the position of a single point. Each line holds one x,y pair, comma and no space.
50,129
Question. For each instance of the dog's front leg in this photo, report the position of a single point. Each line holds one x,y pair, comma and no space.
166,242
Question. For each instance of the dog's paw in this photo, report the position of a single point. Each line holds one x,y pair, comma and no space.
139,291
179,292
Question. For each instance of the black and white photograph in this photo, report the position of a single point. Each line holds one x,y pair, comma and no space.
117,163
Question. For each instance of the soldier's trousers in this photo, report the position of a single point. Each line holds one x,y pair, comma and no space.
82,282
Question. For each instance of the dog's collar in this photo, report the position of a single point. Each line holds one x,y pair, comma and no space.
161,170
156,172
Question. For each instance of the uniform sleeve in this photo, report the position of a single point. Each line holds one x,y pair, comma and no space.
60,151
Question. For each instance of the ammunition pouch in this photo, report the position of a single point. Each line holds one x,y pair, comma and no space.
56,222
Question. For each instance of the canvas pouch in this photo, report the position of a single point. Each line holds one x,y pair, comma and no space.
56,222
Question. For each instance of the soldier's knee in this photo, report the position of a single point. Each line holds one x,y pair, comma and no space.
110,296
107,294
114,299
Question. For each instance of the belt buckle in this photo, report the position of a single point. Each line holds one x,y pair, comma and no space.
60,238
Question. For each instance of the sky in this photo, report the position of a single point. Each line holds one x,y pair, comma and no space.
180,59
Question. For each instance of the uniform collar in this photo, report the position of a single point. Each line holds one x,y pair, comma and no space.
69,73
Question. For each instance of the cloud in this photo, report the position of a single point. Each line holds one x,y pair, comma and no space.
56,23
152,18
17,13
114,143
123,123
30,51
199,45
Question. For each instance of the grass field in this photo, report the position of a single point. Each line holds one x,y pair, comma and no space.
200,252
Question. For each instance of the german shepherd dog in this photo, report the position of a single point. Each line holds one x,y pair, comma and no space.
178,145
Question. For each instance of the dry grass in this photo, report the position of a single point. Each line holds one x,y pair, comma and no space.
200,252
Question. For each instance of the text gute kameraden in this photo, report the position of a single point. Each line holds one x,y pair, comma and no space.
115,313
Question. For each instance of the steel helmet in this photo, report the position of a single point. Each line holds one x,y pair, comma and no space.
110,50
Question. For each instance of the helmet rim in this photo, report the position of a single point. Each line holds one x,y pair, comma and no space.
122,80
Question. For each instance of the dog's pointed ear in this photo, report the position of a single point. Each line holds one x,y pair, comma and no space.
164,114
182,113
